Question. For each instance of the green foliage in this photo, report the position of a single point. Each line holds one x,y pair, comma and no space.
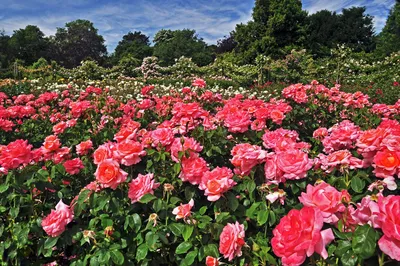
170,45
77,41
28,44
133,45
389,38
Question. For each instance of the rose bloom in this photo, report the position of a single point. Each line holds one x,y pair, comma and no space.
293,163
146,89
84,147
129,152
183,211
73,166
238,121
386,163
277,116
217,182
109,174
298,235
211,261
60,127
199,83
54,224
189,144
162,137
246,156
326,198
389,221
231,241
103,152
367,212
193,169
142,185
51,143
61,155
15,154
320,133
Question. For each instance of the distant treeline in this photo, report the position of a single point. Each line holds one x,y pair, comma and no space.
276,28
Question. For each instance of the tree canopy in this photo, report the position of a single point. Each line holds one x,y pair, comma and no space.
136,45
77,41
170,45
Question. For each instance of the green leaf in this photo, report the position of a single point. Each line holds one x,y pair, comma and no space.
137,222
3,188
233,202
357,184
349,258
190,257
147,198
203,210
183,247
141,252
343,247
177,168
176,228
50,242
211,250
364,241
187,232
262,217
117,257
157,205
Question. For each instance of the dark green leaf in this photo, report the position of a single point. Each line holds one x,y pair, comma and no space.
183,247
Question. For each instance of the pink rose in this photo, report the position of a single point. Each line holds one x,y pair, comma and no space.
237,122
326,198
73,166
389,221
16,153
84,147
142,185
199,83
246,156
193,169
367,212
129,152
293,163
217,182
189,144
183,211
231,241
386,163
298,235
162,137
54,224
109,174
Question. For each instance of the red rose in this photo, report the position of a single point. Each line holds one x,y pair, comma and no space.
51,143
193,169
211,261
129,152
73,166
84,147
15,154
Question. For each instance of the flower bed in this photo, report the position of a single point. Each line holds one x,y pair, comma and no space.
194,178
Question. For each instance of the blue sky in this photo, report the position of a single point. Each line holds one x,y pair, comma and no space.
212,19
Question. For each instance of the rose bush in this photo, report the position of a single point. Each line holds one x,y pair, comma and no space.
194,177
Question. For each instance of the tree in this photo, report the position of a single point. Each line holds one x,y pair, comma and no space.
28,44
356,29
389,38
277,27
78,40
322,32
170,45
227,44
136,45
4,50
